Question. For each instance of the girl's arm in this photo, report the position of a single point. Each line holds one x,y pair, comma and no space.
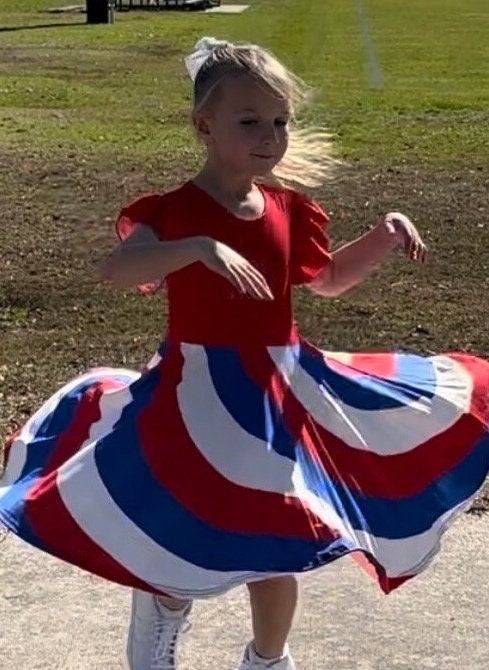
353,262
142,258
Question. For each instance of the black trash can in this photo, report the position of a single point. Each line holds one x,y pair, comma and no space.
98,11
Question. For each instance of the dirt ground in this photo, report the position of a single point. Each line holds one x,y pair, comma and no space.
57,219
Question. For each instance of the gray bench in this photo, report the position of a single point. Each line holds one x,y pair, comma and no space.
121,5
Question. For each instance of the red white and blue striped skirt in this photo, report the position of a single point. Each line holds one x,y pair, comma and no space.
218,466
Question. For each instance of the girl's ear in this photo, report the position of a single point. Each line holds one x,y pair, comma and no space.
203,127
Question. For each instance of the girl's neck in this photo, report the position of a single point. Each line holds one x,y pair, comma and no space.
239,195
231,187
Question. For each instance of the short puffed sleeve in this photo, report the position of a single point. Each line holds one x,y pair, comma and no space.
310,246
148,210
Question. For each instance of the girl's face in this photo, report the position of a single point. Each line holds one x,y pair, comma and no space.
246,129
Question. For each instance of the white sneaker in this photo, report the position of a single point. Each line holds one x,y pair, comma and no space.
251,661
154,633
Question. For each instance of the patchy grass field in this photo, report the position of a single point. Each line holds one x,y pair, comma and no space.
91,116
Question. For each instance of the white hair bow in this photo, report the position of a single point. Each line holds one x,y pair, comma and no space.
203,49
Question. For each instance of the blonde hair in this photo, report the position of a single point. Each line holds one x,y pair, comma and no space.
309,160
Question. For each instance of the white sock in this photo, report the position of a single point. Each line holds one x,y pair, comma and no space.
266,661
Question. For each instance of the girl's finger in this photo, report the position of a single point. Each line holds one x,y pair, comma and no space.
259,287
420,253
410,247
236,280
264,290
259,282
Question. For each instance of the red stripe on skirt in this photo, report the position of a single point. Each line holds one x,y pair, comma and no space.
180,468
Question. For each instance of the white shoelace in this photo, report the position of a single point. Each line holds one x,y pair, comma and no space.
166,634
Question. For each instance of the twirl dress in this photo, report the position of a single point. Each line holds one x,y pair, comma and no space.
242,451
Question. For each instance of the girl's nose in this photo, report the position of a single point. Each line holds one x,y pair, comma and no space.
270,134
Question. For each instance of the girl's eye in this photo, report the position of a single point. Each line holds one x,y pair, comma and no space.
253,122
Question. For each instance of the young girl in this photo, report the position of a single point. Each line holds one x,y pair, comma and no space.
242,454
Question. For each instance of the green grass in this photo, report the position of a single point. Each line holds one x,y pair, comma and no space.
123,88
91,116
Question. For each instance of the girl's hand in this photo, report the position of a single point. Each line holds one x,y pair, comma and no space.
399,225
220,258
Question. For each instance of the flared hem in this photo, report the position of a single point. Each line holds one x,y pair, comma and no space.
217,466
